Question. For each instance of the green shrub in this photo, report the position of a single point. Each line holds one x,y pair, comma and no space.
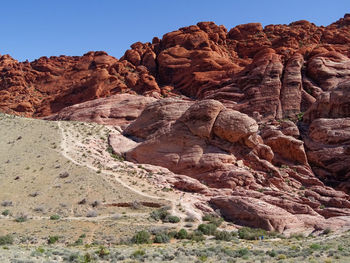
87,258
272,253
138,253
159,214
326,231
315,246
213,219
5,212
172,234
300,116
297,236
182,234
113,155
255,233
54,217
223,235
242,252
21,218
161,238
102,252
203,258
196,236
78,242
40,250
171,219
6,240
164,215
207,229
52,239
141,237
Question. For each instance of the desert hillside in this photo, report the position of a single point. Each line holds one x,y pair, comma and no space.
208,130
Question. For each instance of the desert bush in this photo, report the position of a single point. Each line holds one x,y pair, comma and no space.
207,229
297,236
158,229
182,234
55,217
96,203
171,219
159,214
271,253
21,218
172,234
161,238
213,219
6,203
141,237
39,209
5,212
196,236
52,239
91,213
190,219
326,231
164,215
138,253
315,246
255,233
102,252
223,235
242,252
78,242
6,240
63,175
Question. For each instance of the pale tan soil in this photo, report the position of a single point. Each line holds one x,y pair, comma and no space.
31,162
86,144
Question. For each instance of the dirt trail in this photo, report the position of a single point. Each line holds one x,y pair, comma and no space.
69,146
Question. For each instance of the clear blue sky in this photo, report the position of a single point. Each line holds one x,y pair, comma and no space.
34,28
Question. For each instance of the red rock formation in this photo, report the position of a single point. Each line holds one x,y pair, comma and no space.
114,110
252,69
327,139
268,179
47,85
240,139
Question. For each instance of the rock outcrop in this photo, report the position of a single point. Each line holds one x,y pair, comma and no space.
114,110
273,72
232,127
47,85
327,137
265,174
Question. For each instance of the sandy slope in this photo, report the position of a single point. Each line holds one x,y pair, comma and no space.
31,162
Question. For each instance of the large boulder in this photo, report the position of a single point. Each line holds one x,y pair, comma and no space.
253,212
328,150
118,109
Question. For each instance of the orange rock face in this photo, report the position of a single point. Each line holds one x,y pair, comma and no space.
47,85
276,71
